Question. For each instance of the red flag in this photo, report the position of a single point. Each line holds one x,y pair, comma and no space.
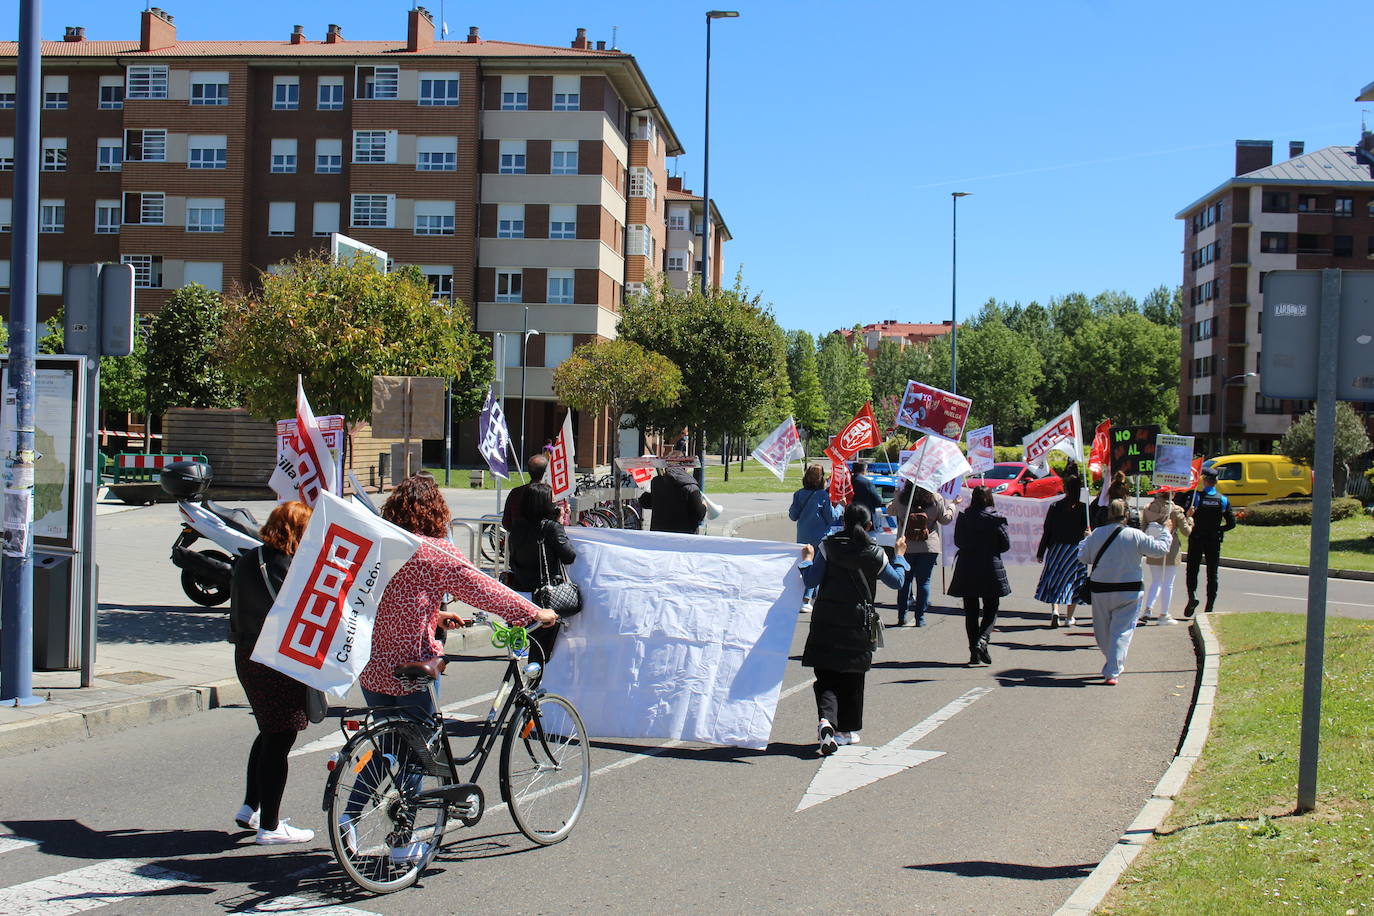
1100,456
1192,484
860,433
841,484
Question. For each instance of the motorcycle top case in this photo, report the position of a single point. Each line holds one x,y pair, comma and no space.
186,479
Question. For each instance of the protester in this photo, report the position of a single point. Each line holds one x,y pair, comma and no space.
535,466
535,531
1058,551
1114,551
839,645
1212,518
278,701
675,500
979,577
921,528
814,515
1117,489
1164,569
865,493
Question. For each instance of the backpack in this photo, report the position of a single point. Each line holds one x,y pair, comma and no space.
917,524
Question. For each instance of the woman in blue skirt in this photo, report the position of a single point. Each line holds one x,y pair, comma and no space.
1065,525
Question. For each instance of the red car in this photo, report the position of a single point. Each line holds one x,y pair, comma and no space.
1014,478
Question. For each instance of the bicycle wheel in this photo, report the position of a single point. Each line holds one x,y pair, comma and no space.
381,834
492,542
545,781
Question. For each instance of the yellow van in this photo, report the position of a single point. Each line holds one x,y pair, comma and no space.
1246,479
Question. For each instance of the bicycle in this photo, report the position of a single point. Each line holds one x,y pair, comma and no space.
395,783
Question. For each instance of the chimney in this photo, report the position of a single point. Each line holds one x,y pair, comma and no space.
675,183
419,29
75,33
601,45
581,40
298,35
333,35
1253,154
473,37
156,30
1295,148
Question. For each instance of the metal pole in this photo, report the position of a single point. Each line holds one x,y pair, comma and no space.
1221,446
90,487
1323,464
954,293
16,645
498,352
448,434
524,353
706,183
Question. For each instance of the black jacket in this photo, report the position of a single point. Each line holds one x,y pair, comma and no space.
676,502
1064,524
866,494
981,536
523,544
249,598
838,639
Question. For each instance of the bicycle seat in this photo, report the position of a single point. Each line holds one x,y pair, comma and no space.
421,671
240,520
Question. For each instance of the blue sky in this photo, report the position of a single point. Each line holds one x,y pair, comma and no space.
839,130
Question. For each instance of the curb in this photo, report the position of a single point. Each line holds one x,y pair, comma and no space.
1103,878
731,528
1290,569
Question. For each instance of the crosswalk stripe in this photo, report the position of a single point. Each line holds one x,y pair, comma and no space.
315,906
9,842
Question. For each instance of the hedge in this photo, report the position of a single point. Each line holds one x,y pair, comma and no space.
1294,511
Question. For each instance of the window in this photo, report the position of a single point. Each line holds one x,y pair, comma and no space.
560,290
509,286
6,154
49,278
147,270
6,214
209,274
145,145
374,146
1342,246
677,262
107,217
633,291
1311,244
207,152
328,157
1309,203
6,93
286,93
567,93
1343,206
284,156
563,160
638,240
563,221
373,211
1275,202
557,348
515,93
54,154
1267,405
378,82
210,88
439,89
436,154
330,93
642,128
1204,329
145,208
205,214
440,281
677,219
434,217
510,221
4,274
52,215
1274,242
326,218
111,92
281,218
1200,404
1202,367
512,157
109,154
55,92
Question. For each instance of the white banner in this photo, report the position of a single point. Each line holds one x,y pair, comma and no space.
780,449
305,468
333,429
980,453
682,636
562,460
1062,434
319,630
1025,524
934,460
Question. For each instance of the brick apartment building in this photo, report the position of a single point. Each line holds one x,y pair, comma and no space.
904,333
527,181
1310,211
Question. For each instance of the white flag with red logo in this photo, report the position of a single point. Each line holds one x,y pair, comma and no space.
782,446
1062,434
561,461
319,630
305,468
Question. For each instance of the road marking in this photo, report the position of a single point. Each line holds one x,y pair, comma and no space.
1304,598
856,766
9,842
336,739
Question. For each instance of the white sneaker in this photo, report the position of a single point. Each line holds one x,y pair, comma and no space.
806,606
247,818
825,734
284,834
1166,620
409,854
846,737
1070,622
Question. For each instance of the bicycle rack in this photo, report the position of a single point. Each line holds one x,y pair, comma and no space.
477,530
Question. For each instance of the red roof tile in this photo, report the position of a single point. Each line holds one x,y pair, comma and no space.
346,49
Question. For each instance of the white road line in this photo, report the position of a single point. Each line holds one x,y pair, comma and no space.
315,906
336,739
1329,600
9,842
936,719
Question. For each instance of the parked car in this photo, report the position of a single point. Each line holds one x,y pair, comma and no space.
1246,479
1015,478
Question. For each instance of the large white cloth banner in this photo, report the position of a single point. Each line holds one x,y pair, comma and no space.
1025,524
319,630
680,636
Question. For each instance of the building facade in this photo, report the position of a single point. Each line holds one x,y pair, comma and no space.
903,333
527,181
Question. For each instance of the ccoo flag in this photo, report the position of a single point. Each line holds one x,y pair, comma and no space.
305,467
561,461
780,448
495,441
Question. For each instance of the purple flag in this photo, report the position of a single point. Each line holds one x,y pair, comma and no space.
495,437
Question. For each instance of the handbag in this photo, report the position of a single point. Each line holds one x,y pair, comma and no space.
316,702
872,621
563,597
1084,595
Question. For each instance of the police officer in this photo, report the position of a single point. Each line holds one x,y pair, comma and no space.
1212,518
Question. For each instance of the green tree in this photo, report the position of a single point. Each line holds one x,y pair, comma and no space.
183,345
843,371
337,325
887,374
807,400
1164,306
1300,442
122,378
470,387
1139,359
1000,370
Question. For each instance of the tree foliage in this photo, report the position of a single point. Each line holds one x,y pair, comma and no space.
843,370
183,348
1299,443
808,402
888,371
614,375
338,325
1000,370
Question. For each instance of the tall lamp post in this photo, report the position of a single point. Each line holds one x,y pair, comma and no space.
954,289
1235,378
524,359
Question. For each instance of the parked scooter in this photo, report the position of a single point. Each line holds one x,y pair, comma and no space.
206,574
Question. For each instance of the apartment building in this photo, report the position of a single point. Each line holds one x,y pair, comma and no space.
685,213
903,333
1309,211
527,181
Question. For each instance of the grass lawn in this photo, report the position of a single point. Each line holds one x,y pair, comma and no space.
1232,845
755,478
1351,547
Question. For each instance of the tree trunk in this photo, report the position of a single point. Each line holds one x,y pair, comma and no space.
725,455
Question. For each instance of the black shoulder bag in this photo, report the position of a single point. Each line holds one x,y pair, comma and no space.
316,703
1084,594
563,597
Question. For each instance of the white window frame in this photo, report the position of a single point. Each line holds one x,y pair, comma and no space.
210,88
567,93
678,219
152,208
7,91
434,217
510,221
54,154
215,145
56,92
157,146
284,156
286,93
331,100
108,215
109,154
145,82
322,223
144,273
204,214
557,348
440,279
642,183
677,262
515,93
380,83
115,99
436,154
563,158
638,240
281,218
329,156
559,287
369,204
512,157
6,214
6,154
633,290
52,215
567,228
447,97
366,149
514,282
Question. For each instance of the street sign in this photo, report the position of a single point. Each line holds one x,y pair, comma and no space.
1290,322
116,309
407,407
81,310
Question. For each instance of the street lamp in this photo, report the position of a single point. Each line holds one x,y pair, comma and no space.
524,358
706,161
954,290
1234,378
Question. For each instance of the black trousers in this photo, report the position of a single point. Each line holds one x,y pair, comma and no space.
1203,551
978,623
840,698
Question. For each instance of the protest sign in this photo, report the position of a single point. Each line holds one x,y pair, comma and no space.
980,453
1133,449
561,458
779,448
1025,526
319,630
1173,461
494,442
333,429
934,461
304,465
683,637
1062,434
925,408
